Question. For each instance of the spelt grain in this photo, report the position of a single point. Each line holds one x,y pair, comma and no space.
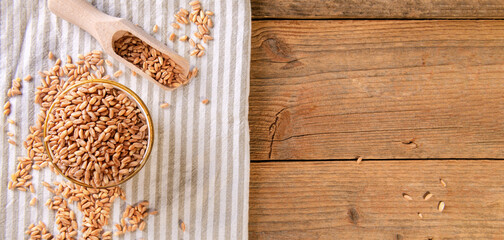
155,28
33,201
50,56
175,26
165,105
427,195
407,197
205,101
152,62
172,37
28,78
118,73
441,206
105,126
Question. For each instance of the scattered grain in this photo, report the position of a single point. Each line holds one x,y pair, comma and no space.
118,73
201,53
359,160
183,38
175,25
407,197
10,134
33,201
11,121
38,231
441,206
50,55
205,101
209,13
172,37
165,105
11,141
155,28
194,72
182,225
28,78
192,43
442,182
420,215
200,46
133,218
427,195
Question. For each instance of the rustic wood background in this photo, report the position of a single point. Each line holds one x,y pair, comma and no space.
415,87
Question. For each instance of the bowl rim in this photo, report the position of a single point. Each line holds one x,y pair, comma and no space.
144,109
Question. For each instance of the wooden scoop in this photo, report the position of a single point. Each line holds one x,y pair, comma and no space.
107,29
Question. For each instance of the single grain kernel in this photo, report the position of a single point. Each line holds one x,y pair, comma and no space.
183,38
165,105
359,160
175,25
205,101
50,55
33,201
201,53
420,215
28,78
155,28
108,62
11,121
118,73
172,37
442,182
427,196
11,142
194,52
194,72
441,206
407,197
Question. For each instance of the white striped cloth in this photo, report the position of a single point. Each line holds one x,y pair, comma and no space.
198,171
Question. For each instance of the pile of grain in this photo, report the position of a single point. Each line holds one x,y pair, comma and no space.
95,204
97,134
151,61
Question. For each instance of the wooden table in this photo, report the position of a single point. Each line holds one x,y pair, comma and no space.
415,87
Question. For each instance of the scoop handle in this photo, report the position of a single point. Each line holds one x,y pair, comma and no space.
80,13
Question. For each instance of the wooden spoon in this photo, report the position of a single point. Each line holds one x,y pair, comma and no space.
107,29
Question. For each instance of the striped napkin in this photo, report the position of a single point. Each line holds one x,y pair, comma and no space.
198,172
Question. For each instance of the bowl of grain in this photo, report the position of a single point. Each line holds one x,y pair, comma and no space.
98,133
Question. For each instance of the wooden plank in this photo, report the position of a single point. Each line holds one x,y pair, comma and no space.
381,9
346,200
378,89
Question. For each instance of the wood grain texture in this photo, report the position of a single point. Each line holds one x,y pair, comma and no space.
372,9
346,200
378,89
